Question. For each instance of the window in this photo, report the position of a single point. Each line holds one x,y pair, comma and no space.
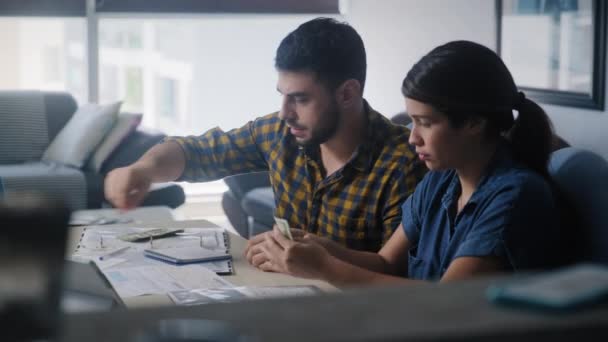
167,97
43,53
125,35
108,76
222,6
133,98
52,63
185,75
220,72
556,50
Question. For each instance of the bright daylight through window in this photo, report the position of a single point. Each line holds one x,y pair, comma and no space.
185,75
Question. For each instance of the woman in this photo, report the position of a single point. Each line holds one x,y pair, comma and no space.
485,206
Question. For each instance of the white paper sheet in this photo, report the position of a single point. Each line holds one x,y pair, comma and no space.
231,294
96,241
137,281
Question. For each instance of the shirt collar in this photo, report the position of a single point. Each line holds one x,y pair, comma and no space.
362,158
501,158
452,191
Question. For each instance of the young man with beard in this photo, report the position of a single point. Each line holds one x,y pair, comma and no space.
338,168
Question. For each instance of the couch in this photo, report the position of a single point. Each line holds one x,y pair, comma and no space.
249,203
29,121
582,178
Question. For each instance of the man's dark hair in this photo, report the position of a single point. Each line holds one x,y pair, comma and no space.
332,50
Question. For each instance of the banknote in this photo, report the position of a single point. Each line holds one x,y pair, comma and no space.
145,235
283,227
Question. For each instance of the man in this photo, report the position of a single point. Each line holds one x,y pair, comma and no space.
338,168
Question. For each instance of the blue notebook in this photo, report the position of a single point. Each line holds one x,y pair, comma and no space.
567,288
187,255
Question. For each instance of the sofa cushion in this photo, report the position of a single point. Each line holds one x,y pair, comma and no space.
82,134
55,181
59,108
23,126
129,151
124,125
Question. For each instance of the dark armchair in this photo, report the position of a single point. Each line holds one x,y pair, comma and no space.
249,203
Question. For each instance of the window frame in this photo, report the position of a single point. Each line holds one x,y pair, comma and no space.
595,99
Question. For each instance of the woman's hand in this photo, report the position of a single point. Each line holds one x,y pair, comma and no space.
301,235
253,252
303,257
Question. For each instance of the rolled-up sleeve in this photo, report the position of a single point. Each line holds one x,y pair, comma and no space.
402,188
216,154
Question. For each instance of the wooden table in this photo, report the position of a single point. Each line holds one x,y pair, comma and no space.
244,273
457,311
446,312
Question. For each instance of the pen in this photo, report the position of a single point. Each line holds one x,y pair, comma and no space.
113,253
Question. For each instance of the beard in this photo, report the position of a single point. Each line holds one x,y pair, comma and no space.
326,128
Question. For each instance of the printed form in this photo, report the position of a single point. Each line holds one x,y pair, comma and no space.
144,280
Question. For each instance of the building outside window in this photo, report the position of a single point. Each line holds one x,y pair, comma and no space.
167,98
133,94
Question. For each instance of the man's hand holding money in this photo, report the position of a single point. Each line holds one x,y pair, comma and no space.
283,226
253,253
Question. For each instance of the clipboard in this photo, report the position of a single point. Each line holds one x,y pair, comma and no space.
220,267
568,288
187,255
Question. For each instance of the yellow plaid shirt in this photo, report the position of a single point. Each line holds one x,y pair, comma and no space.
358,206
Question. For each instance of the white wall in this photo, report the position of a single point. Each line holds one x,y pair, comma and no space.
581,128
10,42
398,32
234,76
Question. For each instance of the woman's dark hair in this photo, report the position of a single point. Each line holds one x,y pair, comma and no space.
465,80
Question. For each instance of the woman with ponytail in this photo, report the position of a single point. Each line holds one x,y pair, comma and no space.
485,206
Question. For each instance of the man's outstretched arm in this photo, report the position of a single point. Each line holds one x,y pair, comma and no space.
126,187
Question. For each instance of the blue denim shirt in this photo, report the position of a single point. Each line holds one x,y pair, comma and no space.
512,214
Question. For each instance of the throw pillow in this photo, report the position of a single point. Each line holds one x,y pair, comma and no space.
125,125
74,144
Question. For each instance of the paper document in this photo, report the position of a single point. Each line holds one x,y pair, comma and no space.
103,240
279,291
231,294
137,281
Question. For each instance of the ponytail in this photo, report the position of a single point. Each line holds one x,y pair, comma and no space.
464,80
531,136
